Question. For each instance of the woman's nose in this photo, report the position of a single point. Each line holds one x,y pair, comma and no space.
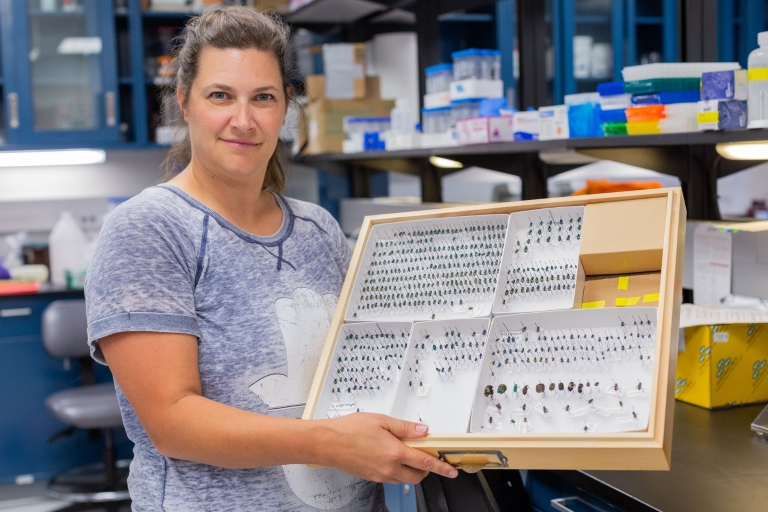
242,118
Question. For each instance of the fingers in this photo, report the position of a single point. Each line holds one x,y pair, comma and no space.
426,462
406,429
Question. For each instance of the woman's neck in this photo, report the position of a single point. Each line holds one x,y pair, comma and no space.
246,205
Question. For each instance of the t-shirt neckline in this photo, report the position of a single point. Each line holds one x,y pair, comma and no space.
278,236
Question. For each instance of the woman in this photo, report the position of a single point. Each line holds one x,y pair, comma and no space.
210,297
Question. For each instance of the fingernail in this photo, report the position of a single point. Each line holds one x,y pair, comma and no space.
454,473
421,428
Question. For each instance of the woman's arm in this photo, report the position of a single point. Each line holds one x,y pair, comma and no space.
158,372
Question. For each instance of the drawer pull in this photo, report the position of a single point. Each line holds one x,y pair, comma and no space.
13,110
473,461
561,504
8,313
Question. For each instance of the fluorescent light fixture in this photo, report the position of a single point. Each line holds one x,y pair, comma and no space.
52,158
445,163
743,150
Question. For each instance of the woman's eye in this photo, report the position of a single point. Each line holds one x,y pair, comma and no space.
218,95
264,97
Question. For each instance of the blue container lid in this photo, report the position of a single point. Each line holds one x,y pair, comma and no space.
610,88
438,68
470,52
368,120
435,110
467,100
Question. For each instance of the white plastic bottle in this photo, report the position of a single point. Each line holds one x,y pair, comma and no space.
403,117
757,108
66,245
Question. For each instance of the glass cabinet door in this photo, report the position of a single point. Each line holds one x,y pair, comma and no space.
68,72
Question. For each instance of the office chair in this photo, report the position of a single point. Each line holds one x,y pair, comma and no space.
91,406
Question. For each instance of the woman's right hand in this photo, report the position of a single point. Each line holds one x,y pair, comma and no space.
369,446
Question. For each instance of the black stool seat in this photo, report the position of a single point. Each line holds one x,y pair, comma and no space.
87,407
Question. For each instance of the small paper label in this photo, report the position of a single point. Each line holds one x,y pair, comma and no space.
615,391
590,427
461,308
343,405
519,412
579,412
423,390
721,337
541,408
636,392
626,419
602,412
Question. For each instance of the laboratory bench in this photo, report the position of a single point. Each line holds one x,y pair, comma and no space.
717,465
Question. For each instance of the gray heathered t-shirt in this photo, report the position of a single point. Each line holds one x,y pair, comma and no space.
260,308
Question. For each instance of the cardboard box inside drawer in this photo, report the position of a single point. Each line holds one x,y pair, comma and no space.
639,290
624,237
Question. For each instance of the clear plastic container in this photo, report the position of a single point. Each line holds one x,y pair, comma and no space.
436,120
438,78
667,98
468,63
67,244
679,118
757,107
361,125
464,109
403,117
491,68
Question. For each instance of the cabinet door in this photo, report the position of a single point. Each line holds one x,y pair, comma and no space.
65,73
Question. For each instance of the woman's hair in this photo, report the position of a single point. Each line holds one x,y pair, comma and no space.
230,27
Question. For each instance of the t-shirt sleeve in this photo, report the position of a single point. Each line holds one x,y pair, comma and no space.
141,277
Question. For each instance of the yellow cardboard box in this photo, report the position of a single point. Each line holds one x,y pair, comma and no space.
723,365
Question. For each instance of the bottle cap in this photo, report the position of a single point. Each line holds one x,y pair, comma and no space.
762,38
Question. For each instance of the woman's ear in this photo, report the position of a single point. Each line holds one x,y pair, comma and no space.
180,101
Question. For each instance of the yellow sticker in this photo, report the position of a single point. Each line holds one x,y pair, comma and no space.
623,282
758,74
627,301
651,297
708,117
590,305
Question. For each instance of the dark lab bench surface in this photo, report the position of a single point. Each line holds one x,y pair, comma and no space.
717,465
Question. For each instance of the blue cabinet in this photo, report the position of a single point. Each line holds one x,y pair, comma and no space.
595,39
62,86
739,22
400,497
28,375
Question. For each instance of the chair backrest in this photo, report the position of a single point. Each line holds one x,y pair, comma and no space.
65,329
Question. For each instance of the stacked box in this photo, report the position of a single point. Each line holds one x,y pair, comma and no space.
724,100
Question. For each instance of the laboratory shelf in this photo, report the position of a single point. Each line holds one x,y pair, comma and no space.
634,141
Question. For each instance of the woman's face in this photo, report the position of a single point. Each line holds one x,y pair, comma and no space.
235,111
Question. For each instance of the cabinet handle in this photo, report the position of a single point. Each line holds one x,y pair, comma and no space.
109,100
8,313
561,504
13,109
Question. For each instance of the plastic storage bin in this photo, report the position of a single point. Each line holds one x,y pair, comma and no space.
667,98
654,85
436,120
674,70
491,68
617,115
438,78
643,127
464,109
647,113
615,129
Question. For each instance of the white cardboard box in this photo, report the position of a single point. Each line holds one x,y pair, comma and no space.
476,88
481,130
527,125
553,122
437,99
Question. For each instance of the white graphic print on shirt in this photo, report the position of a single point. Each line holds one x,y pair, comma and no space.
304,322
